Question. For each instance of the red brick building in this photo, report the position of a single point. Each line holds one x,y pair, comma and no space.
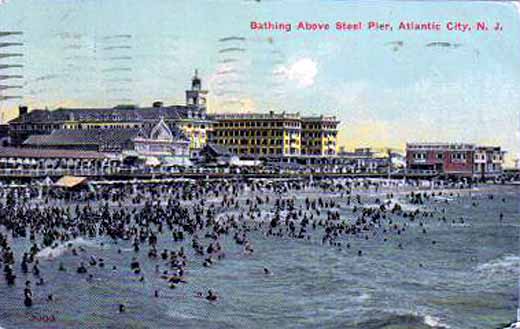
452,159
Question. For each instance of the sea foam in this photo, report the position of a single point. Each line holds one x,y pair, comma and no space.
504,264
53,252
434,322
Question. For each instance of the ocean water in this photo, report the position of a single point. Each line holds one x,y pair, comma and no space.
467,279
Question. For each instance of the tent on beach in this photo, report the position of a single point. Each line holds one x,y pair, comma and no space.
70,181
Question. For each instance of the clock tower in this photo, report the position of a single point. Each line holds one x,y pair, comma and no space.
196,96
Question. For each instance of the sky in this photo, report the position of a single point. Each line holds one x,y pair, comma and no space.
386,87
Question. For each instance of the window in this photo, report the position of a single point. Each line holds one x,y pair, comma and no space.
440,156
419,156
460,156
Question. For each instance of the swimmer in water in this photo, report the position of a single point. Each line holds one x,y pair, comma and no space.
81,269
211,296
27,294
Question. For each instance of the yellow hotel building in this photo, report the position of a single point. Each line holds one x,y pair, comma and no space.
275,134
319,135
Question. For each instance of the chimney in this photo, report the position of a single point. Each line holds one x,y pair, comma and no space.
157,104
23,110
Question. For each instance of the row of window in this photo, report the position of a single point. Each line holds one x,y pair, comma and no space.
92,127
232,141
265,150
318,126
489,167
256,150
440,147
494,157
317,143
440,156
324,134
189,126
46,127
264,133
265,124
454,156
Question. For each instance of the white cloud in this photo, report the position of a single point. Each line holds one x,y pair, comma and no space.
303,72
517,5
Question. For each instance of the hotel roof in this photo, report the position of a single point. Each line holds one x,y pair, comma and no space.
440,147
256,116
121,113
62,137
320,118
109,136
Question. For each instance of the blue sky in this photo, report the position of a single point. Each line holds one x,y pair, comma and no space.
105,52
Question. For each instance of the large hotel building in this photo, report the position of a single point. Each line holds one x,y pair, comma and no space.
81,123
275,134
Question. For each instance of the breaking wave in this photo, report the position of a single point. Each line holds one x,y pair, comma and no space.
411,320
514,325
509,264
434,322
362,298
53,252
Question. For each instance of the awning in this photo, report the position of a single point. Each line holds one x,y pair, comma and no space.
70,181
245,163
130,154
176,161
